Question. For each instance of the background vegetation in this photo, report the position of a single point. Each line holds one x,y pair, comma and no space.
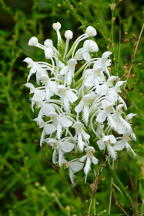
29,184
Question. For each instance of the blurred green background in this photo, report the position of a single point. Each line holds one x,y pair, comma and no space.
29,184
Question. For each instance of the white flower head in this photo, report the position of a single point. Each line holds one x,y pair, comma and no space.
74,167
67,96
84,106
60,147
108,142
48,43
81,136
79,102
89,158
56,26
91,31
68,34
33,41
48,53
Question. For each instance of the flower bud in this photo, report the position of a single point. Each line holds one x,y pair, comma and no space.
48,53
91,31
106,54
68,34
91,46
48,43
33,41
29,61
56,26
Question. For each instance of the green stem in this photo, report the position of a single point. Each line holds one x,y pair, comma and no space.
79,71
94,187
110,196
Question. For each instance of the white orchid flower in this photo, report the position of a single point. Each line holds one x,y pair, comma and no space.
46,110
68,71
94,77
89,46
89,158
40,69
108,142
117,122
104,62
57,123
67,96
84,106
38,95
51,88
60,147
74,166
105,112
81,136
122,142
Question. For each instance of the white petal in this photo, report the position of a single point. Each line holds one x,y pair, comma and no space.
71,175
86,113
130,116
91,46
94,160
59,130
48,94
61,157
65,122
89,81
119,84
128,147
79,54
133,136
79,107
102,89
101,117
50,128
120,145
47,108
76,166
122,101
68,77
85,135
81,144
72,97
66,104
87,167
125,124
32,71
86,56
83,158
54,156
53,87
113,121
101,144
106,54
112,139
49,141
112,152
31,87
67,147
64,70
42,138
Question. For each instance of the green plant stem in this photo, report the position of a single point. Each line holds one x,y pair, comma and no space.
94,187
110,196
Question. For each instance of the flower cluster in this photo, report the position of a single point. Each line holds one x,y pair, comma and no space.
81,111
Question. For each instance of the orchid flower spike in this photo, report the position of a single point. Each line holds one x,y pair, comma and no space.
80,107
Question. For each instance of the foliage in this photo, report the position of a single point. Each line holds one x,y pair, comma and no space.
28,184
